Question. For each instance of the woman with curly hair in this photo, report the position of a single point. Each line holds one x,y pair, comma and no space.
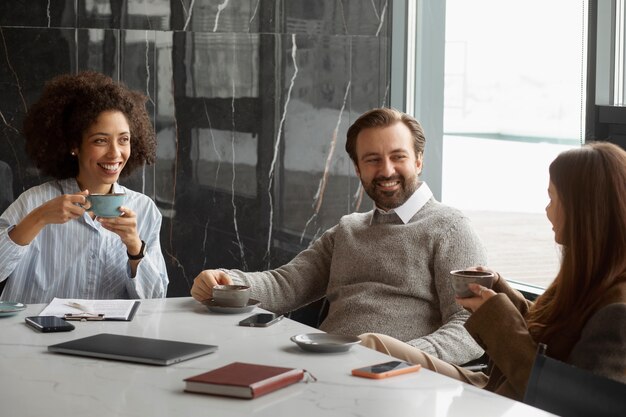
581,317
85,131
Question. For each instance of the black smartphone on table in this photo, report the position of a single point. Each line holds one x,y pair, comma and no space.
261,320
48,324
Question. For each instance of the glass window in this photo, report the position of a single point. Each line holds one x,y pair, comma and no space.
513,100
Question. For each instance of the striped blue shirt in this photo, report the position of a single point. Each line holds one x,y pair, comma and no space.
80,258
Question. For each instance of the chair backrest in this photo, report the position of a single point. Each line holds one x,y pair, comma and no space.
565,390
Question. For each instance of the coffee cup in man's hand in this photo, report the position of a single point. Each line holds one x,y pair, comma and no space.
231,295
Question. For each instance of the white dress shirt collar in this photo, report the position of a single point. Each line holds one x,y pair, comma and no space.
411,206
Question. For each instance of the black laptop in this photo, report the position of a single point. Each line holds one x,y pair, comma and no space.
133,349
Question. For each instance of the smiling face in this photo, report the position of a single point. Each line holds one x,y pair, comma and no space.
103,152
554,212
387,164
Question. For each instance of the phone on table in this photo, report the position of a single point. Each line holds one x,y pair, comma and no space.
261,320
49,324
386,369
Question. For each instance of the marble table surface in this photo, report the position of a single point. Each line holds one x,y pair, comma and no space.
34,382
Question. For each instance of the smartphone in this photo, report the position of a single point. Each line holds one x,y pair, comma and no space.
261,320
49,324
386,369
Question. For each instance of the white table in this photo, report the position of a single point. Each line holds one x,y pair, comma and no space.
34,382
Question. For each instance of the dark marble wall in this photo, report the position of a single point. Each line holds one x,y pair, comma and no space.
251,100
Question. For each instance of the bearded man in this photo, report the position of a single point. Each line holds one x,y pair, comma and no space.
385,271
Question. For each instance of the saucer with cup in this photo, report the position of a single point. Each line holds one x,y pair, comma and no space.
231,299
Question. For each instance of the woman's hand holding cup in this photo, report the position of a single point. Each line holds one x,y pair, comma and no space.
481,294
473,286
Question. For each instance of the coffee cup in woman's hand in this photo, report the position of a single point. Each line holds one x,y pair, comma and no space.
106,205
463,277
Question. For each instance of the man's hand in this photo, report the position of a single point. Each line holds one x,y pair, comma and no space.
205,281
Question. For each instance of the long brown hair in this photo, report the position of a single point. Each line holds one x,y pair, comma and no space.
591,185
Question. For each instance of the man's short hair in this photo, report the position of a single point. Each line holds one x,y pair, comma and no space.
384,117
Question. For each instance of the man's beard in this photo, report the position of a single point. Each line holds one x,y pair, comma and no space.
387,200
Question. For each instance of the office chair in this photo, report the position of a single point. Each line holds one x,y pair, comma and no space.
567,391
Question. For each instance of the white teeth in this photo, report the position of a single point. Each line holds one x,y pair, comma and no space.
389,184
110,167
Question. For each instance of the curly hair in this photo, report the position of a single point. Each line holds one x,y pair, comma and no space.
69,104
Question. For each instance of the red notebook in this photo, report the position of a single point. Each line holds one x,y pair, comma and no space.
244,380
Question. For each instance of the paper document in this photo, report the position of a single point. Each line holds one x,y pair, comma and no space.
112,309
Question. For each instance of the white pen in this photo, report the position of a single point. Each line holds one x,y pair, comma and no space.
82,307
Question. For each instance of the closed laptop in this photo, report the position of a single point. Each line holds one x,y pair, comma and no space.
133,349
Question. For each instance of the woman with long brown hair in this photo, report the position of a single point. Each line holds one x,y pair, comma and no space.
581,316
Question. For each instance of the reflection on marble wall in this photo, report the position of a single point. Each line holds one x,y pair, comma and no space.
251,100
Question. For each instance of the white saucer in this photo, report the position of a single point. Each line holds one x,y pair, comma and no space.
216,308
324,342
8,308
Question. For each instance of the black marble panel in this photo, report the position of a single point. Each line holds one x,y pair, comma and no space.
316,17
29,13
250,101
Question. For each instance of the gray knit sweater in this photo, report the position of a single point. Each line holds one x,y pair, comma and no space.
383,276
